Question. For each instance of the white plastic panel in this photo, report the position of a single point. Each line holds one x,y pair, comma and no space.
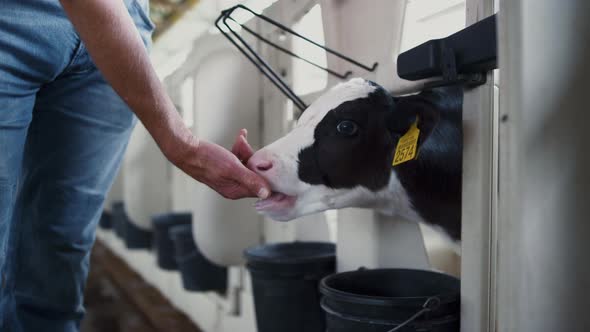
427,19
479,206
226,100
543,272
146,183
306,78
367,31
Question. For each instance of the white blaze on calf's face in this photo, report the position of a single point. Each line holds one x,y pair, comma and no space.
299,191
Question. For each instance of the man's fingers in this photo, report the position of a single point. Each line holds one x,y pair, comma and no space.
252,182
238,193
226,174
242,149
246,150
255,184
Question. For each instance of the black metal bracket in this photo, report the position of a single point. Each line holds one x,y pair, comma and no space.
250,53
462,58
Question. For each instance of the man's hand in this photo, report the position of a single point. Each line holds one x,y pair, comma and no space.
221,170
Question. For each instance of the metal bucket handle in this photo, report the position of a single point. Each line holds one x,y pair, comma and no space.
431,304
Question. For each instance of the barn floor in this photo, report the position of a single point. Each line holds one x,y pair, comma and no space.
118,300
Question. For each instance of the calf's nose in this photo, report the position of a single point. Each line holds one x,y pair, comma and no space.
264,165
260,163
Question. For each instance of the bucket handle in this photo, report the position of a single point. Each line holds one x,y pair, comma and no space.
431,304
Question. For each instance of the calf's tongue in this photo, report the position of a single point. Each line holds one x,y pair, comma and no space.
272,199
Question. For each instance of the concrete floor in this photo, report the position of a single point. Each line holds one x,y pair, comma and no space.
117,299
107,310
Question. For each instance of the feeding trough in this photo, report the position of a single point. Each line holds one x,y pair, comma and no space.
106,220
118,218
163,245
197,272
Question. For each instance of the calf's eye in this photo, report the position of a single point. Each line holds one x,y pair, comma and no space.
347,128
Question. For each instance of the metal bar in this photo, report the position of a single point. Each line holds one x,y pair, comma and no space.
269,71
327,49
264,68
261,61
284,50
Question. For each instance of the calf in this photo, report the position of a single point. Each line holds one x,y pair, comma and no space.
341,151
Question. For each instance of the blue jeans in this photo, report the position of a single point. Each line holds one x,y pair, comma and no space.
63,132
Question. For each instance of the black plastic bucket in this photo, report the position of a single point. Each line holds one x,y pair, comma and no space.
135,237
106,220
384,299
182,237
119,218
162,243
285,280
197,272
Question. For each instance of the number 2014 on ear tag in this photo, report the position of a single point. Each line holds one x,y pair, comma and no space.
407,146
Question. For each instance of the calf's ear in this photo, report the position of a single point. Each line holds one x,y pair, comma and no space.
409,109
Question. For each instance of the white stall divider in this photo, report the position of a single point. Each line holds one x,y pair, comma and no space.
226,99
542,270
146,181
479,205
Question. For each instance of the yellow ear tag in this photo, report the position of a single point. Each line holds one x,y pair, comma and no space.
407,146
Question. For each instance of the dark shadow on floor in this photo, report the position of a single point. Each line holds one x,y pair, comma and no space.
107,310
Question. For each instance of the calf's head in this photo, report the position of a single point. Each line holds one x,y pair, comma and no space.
340,153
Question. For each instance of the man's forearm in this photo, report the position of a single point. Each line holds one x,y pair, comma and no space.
112,40
114,44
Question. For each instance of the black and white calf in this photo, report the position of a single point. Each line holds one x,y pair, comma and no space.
340,155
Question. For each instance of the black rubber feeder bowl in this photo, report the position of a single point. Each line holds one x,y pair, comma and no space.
162,243
285,278
119,218
106,220
197,272
135,237
384,299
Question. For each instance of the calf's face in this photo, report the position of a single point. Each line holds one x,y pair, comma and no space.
340,153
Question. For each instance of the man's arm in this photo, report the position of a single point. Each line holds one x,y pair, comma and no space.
114,44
